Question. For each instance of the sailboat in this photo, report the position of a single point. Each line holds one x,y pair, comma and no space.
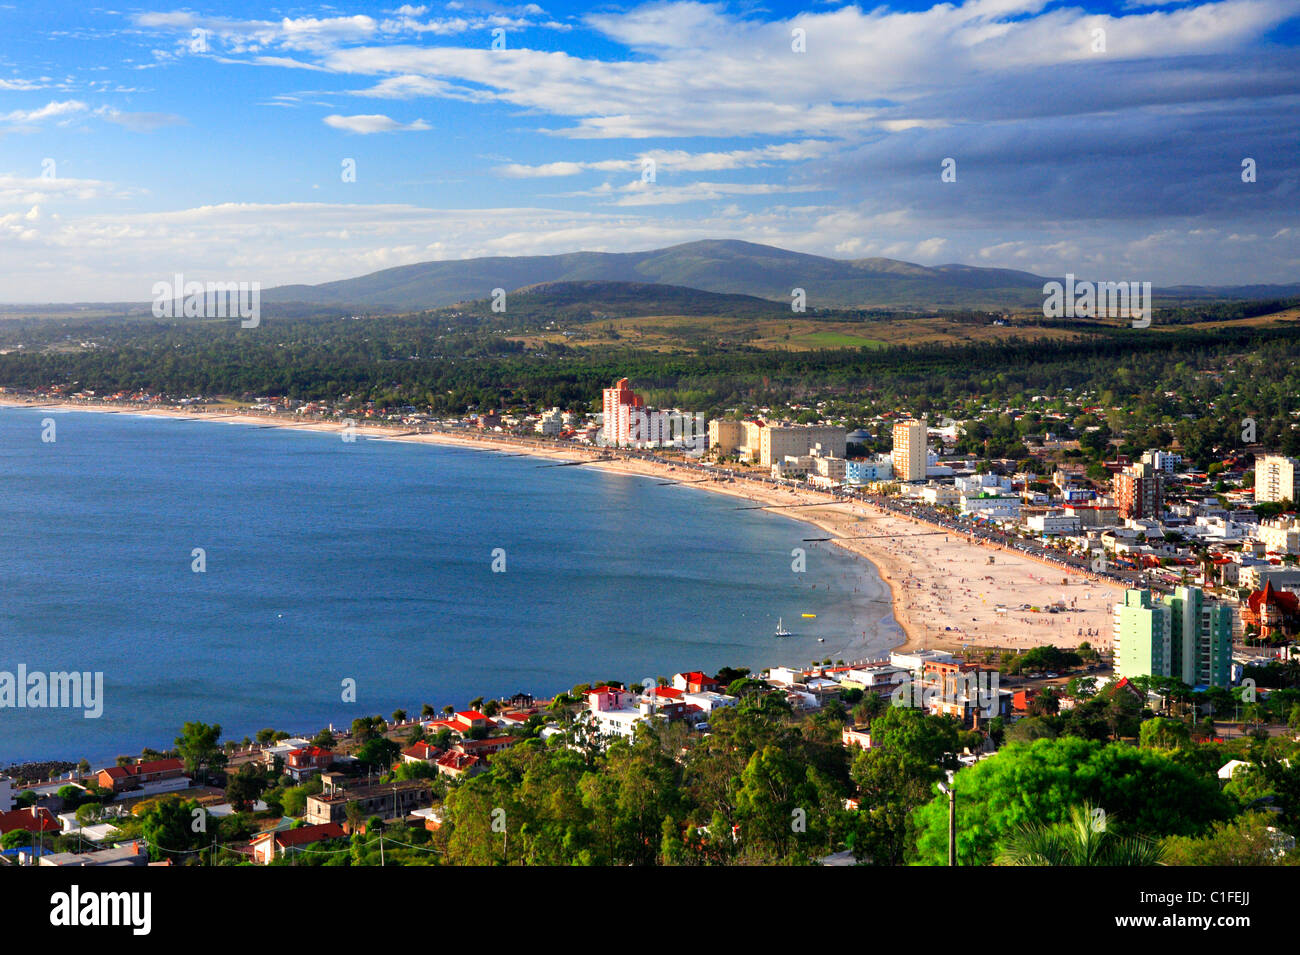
781,631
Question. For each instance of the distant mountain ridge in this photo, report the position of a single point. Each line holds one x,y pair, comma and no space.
723,266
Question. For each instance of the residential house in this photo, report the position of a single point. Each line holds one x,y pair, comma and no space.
31,819
267,846
387,800
158,775
302,764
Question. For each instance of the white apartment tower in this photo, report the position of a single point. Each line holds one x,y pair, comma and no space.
1275,478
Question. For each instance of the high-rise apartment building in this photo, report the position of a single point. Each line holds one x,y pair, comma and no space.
1139,491
619,405
1275,478
1184,635
909,451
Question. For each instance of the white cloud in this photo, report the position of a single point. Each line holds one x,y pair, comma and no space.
48,111
373,123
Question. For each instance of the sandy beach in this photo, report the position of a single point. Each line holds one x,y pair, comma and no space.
948,592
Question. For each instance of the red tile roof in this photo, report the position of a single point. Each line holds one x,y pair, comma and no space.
24,820
304,835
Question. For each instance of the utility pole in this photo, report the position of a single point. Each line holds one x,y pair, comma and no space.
952,818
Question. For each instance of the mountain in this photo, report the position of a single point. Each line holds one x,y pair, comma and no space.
583,300
724,266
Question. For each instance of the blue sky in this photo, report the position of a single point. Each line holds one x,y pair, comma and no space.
1105,140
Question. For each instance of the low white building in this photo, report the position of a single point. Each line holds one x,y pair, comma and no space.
1280,536
708,702
976,484
551,422
990,506
1053,524
915,661
875,676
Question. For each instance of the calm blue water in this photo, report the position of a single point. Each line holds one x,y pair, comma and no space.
371,561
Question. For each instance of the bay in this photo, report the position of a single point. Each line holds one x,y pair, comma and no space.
372,561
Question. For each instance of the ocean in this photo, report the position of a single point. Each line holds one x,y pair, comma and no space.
327,564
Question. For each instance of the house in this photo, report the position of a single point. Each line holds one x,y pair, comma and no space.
131,854
33,819
484,748
663,694
511,719
1272,612
456,764
1230,768
859,736
708,701
421,753
157,775
461,723
267,846
302,764
615,711
386,800
696,682
881,677
281,749
432,817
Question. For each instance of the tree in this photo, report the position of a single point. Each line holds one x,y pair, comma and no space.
1086,839
367,727
1037,783
170,827
198,747
399,715
1245,840
379,753
324,739
1164,733
244,788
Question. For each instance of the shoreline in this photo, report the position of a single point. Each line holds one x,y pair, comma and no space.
930,604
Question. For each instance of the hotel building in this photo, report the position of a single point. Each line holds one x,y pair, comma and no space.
908,457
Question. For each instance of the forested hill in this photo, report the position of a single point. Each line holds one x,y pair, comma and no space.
723,266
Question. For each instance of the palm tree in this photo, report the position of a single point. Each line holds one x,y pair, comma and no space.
1083,840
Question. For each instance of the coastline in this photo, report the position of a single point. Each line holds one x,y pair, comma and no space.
932,602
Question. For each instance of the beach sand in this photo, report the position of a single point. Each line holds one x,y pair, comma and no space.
946,592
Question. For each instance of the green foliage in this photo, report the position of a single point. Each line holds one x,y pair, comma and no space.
1037,783
1164,733
1087,838
199,749
1245,840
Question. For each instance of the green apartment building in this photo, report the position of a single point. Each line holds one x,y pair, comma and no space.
1184,635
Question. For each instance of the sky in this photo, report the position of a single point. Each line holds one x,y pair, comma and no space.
238,141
